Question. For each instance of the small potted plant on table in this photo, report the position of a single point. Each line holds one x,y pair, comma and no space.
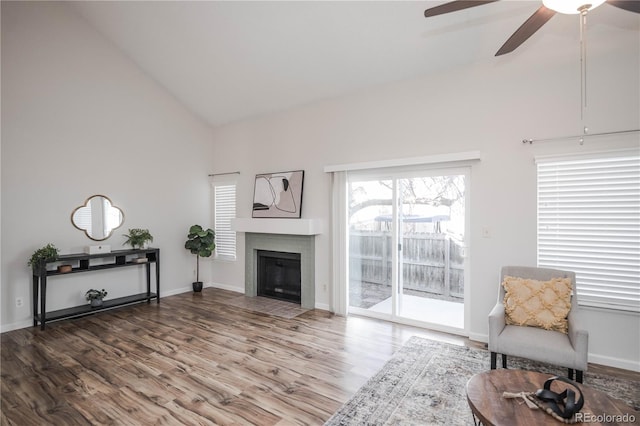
95,297
201,243
40,257
138,238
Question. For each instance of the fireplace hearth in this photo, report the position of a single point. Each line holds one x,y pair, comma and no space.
279,275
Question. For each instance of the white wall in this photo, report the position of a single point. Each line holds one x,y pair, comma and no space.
78,118
489,107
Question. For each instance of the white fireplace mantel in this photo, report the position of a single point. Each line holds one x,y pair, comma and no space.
277,226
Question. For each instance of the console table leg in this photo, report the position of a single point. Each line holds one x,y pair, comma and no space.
158,276
43,302
148,283
34,301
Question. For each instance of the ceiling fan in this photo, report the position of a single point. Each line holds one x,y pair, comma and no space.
539,18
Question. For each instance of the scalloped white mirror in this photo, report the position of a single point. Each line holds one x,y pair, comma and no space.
98,217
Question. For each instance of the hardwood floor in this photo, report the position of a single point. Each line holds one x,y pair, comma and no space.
194,360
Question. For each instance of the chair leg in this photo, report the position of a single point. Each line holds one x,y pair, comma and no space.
571,374
504,361
493,360
579,376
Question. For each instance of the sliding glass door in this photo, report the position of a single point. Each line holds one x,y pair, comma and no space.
370,242
407,244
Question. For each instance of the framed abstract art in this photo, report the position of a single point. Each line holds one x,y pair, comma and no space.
278,195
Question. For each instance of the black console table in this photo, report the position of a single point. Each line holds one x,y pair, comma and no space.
82,262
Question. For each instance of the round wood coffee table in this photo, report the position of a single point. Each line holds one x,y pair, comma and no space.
484,393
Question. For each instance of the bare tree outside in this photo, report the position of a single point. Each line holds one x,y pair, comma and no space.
431,214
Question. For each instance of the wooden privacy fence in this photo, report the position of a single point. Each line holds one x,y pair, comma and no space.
431,263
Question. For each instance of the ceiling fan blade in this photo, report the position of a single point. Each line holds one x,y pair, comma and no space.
526,30
454,6
630,5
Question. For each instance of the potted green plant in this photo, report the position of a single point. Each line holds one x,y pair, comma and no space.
138,238
201,243
95,297
40,257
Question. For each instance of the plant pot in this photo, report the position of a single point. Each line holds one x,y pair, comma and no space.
96,303
197,286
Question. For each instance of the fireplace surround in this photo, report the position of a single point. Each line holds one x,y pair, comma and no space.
303,245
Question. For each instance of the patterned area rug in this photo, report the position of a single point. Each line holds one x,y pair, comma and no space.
265,305
424,384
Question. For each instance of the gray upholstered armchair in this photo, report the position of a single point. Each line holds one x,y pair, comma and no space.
552,347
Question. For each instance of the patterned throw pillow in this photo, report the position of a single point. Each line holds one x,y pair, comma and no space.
533,303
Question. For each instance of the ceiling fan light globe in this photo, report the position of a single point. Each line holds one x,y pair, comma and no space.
571,7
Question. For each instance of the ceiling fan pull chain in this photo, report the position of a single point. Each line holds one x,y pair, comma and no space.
583,61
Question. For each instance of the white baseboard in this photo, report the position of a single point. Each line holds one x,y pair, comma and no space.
205,285
175,291
478,337
323,306
614,362
16,325
609,361
237,289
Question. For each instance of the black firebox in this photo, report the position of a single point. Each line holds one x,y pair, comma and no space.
279,275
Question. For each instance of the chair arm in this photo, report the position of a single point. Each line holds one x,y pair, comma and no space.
496,324
579,336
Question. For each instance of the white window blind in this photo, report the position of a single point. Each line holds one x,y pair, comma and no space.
589,222
82,219
224,211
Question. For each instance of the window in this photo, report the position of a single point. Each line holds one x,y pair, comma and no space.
224,199
589,222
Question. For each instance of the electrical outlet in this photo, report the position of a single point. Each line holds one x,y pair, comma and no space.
19,302
486,232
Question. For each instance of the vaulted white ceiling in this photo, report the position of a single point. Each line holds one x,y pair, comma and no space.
233,60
